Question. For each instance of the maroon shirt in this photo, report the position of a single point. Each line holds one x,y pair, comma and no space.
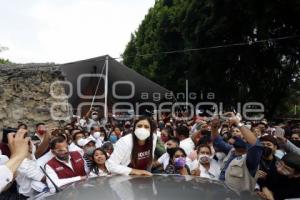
5,149
143,157
63,171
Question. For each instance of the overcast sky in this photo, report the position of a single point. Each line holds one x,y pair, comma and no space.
67,30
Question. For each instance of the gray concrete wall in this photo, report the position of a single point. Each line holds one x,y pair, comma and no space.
25,94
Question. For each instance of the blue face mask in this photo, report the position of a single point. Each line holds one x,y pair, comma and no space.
113,139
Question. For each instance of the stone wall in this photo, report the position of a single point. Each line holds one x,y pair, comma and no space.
25,95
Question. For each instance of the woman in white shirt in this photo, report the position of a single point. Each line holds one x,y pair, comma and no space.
98,168
133,154
205,166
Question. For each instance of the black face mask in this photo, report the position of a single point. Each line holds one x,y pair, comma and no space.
267,152
170,150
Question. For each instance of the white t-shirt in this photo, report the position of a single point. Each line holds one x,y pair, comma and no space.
164,159
6,176
187,145
28,172
3,159
213,172
42,161
74,147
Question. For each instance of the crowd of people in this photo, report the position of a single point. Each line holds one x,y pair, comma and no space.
247,156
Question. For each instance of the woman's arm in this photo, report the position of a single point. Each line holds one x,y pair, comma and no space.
115,164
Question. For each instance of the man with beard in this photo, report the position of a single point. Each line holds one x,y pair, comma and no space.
66,167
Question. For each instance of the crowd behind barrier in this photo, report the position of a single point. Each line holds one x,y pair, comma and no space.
260,157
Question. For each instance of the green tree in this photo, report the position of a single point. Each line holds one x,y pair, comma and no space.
262,72
3,61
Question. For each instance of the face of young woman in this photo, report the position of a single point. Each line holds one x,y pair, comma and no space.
99,157
143,124
178,154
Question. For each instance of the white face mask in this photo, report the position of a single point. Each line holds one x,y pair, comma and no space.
80,142
101,138
82,123
279,154
142,133
220,156
96,135
204,158
94,117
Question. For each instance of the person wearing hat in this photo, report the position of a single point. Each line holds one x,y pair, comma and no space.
240,166
88,146
284,184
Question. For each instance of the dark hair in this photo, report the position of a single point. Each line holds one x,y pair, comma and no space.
174,139
206,137
56,140
222,128
39,124
169,130
105,134
75,134
107,145
173,151
292,160
102,150
183,130
261,123
149,142
203,146
94,168
22,124
269,138
103,130
94,126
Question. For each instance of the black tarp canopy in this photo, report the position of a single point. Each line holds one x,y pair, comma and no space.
84,77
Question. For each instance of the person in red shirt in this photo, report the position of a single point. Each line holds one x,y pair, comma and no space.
66,167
